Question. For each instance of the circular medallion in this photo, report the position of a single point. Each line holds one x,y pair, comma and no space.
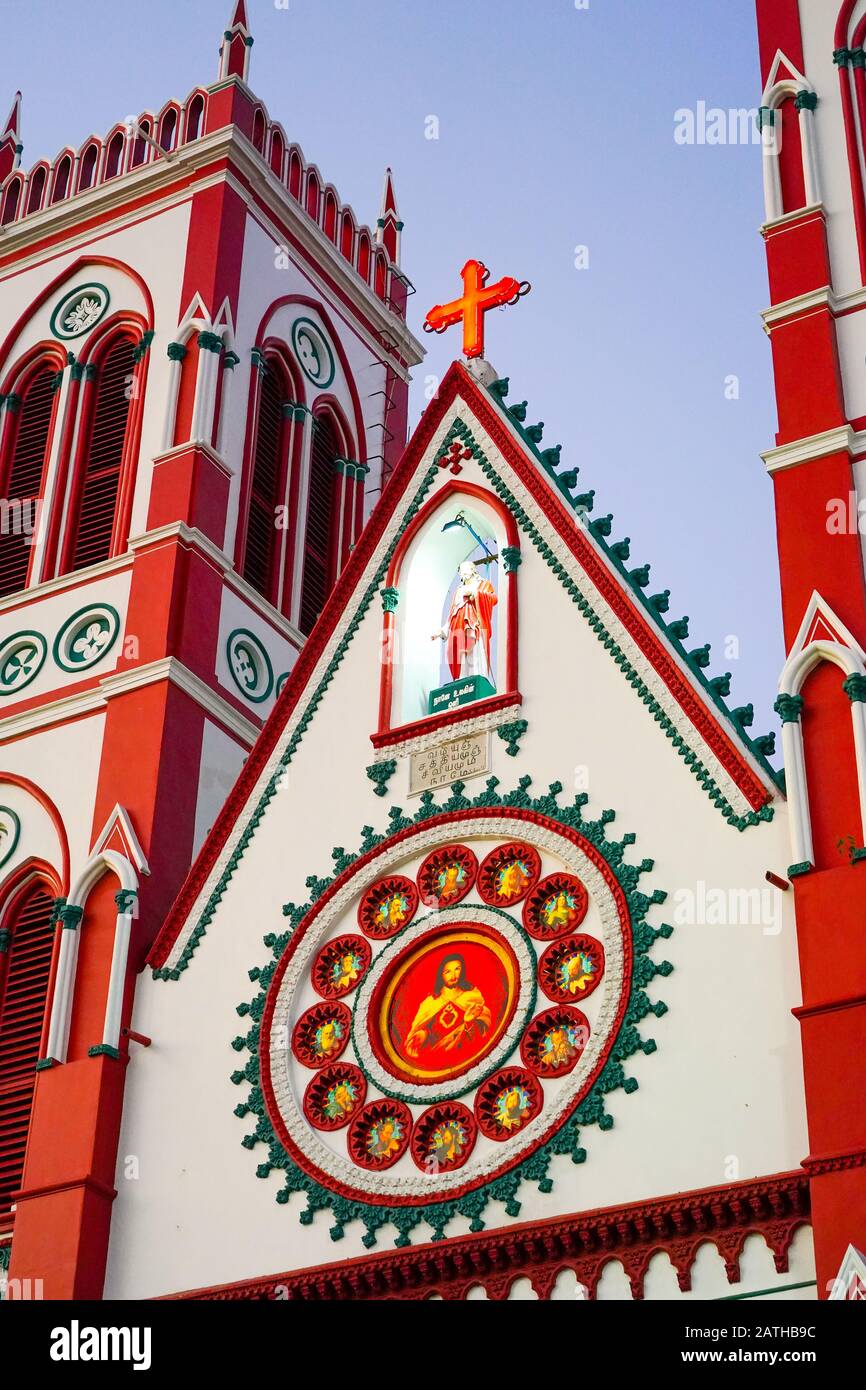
10,832
443,1138
508,873
380,1134
554,1040
86,637
339,966
321,1034
443,1004
335,1095
557,905
250,665
313,351
507,1102
447,875
387,905
21,659
570,969
79,310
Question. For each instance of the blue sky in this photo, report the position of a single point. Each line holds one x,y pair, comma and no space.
556,130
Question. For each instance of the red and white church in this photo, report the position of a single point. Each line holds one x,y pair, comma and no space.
393,904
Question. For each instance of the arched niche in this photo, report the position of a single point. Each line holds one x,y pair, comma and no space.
462,524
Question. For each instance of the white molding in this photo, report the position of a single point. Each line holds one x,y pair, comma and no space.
852,1274
814,446
120,818
463,728
95,700
23,598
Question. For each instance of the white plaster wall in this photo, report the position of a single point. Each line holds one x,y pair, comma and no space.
64,764
222,758
722,1098
235,613
48,615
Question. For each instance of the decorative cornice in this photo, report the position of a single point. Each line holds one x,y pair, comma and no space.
773,1207
816,446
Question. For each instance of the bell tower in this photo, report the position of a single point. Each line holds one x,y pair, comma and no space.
813,120
204,367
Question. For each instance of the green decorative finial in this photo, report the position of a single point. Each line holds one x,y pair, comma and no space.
518,412
679,628
381,773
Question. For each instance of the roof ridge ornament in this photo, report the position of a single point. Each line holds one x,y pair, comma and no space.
477,298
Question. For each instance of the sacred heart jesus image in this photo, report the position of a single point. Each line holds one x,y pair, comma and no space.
446,1003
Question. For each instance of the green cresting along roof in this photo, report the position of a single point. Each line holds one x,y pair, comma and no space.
676,631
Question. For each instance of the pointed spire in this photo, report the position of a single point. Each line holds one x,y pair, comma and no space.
10,141
236,44
389,226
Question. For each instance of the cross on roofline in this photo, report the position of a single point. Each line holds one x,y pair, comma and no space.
477,298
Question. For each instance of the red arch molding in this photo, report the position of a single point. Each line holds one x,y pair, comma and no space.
446,494
60,279
452,820
13,779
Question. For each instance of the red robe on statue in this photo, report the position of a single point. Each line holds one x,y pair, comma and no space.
470,626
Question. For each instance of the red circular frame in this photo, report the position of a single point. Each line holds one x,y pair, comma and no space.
506,1079
322,965
446,1112
356,1140
551,959
555,883
387,887
431,866
405,837
491,864
318,1088
305,1029
435,934
561,1015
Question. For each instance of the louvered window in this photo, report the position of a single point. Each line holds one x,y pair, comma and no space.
260,552
92,525
318,533
24,976
24,477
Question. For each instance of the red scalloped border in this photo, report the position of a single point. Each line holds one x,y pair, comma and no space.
359,1134
430,868
370,899
333,1074
447,1112
340,946
554,883
490,865
548,967
508,1078
305,1028
562,1015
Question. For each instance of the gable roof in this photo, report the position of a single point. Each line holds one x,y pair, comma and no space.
688,706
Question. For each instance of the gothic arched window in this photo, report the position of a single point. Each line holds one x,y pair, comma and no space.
318,539
194,115
25,972
267,485
26,445
87,168
92,533
37,188
114,158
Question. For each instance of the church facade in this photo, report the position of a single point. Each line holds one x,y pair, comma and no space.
504,967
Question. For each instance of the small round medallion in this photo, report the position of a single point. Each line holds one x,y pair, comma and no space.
557,905
443,1138
340,965
508,873
387,906
380,1133
571,968
335,1095
506,1103
554,1041
447,875
321,1034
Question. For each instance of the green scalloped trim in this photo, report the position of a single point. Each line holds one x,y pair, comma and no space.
637,579
566,1140
462,431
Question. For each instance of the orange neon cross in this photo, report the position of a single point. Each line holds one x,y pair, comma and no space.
477,298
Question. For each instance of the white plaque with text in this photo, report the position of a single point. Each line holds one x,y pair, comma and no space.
444,763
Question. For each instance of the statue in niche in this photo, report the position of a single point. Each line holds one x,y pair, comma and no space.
470,626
